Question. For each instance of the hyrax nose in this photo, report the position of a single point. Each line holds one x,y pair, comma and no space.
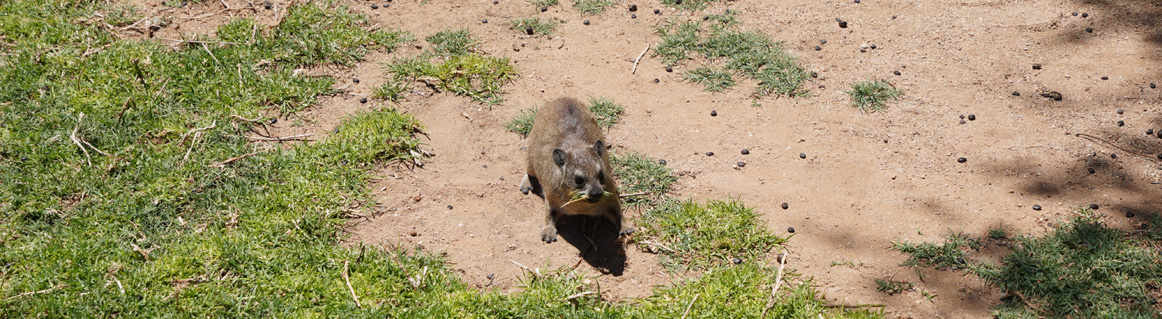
595,194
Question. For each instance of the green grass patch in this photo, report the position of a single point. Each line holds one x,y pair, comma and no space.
605,111
544,3
479,77
729,52
692,5
1081,269
638,173
892,287
869,96
698,236
592,6
534,26
453,42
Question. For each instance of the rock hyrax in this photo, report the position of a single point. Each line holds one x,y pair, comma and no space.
568,166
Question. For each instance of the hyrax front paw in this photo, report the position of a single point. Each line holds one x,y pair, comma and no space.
549,234
526,185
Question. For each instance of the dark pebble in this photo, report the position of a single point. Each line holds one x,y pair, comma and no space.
586,22
336,130
961,121
1120,111
1159,133
709,153
1150,132
741,164
962,116
669,69
656,11
273,120
873,47
356,80
662,161
785,206
449,206
1085,15
856,1
790,229
713,113
1160,156
822,41
266,5
1056,96
484,21
374,6
1105,77
495,2
1153,86
814,75
1036,66
818,48
1114,156
633,16
1130,214
657,80
1075,14
972,117
961,160
736,260
529,31
362,100
802,155
745,152
1121,123
1090,170
1093,206
1089,30
1015,93
842,24
632,8
1036,207
543,9
862,50
896,72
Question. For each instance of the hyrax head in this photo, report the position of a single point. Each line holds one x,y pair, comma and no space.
583,170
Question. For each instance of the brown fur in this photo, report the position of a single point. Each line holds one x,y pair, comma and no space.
566,147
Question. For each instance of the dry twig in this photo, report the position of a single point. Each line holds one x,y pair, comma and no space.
691,305
778,283
632,195
352,290
35,292
77,140
280,139
223,163
639,58
579,295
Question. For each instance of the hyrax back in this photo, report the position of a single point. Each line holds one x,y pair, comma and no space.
567,160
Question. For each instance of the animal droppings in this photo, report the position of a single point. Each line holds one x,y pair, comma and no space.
961,160
790,229
713,113
709,153
785,206
745,152
802,155
1036,207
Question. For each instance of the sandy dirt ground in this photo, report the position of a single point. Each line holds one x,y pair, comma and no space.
867,180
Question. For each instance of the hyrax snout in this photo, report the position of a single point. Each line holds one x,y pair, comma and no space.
568,166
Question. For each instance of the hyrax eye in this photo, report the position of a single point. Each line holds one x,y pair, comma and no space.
578,180
601,176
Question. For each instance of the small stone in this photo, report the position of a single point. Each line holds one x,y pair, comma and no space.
1130,214
267,5
961,160
1056,96
736,260
1153,86
1036,207
856,1
374,6
1160,156
1015,93
449,206
873,46
543,9
633,16
586,22
822,41
273,120
709,153
790,229
741,164
1105,77
1159,133
862,50
1089,30
713,113
962,122
413,233
962,116
1090,170
657,80
1121,123
745,152
1113,156
1121,111
1093,206
484,21
495,2
802,155
814,75
1150,132
785,206
1036,66
632,8
1075,14
356,80
842,24
656,11
972,117
662,162
1085,15
669,69
896,72
362,100
818,48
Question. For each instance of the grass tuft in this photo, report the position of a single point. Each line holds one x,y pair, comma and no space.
692,5
869,96
730,53
592,7
636,173
533,26
1081,269
479,77
523,123
544,3
452,42
698,236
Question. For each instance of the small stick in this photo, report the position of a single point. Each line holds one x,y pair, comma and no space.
255,120
526,268
691,305
855,306
659,246
77,141
223,163
210,53
632,195
778,282
197,41
200,129
204,15
352,290
639,58
1026,301
280,139
35,292
579,295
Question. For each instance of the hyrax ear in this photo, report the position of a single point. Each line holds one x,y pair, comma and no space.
600,147
559,157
